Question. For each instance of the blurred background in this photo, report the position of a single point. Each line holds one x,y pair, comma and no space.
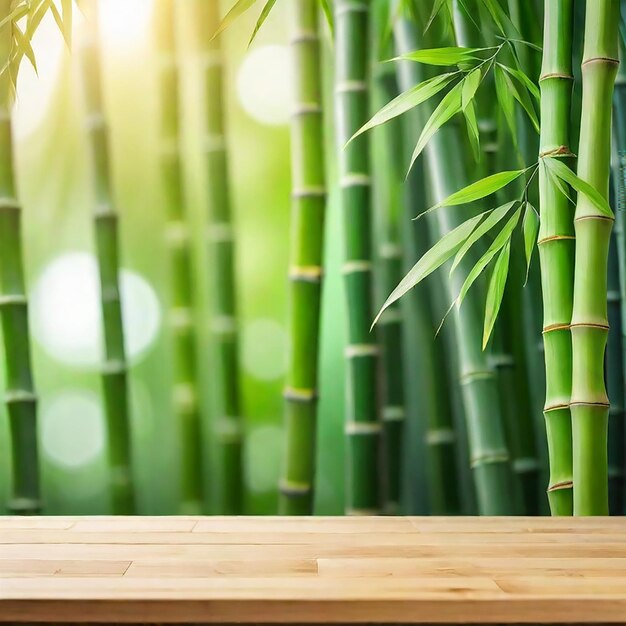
54,183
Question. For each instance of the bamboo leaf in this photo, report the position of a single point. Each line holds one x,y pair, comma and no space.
472,129
240,7
495,291
15,15
501,240
522,96
437,6
329,15
524,80
523,42
482,229
567,175
499,16
530,227
24,47
407,100
449,106
441,56
66,7
562,187
269,5
506,100
480,189
443,250
470,85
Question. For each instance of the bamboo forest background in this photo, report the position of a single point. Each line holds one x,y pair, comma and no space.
429,388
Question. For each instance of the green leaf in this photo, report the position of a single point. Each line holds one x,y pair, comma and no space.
524,43
480,189
495,291
443,250
472,129
407,100
500,17
240,7
522,96
442,56
66,7
530,227
482,229
524,80
269,5
501,240
563,188
506,100
449,106
437,6
24,47
329,15
15,15
470,85
561,170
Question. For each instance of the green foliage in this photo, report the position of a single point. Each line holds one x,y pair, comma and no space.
530,227
495,292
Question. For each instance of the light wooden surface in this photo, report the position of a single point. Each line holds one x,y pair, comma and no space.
313,570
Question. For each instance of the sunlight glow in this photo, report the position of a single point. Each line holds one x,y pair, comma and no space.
123,22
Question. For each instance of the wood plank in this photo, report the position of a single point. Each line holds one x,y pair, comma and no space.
34,568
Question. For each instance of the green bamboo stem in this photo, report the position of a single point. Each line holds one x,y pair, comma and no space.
351,99
305,270
114,371
435,402
19,395
387,169
556,250
446,174
615,377
228,427
185,392
590,404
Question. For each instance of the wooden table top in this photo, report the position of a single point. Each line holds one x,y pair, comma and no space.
312,570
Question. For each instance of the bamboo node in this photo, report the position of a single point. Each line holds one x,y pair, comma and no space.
114,367
228,430
294,489
181,318
608,60
110,293
555,327
391,251
308,192
306,273
613,296
363,428
393,414
358,350
355,267
224,325
358,512
555,407
214,143
470,377
582,218
526,464
561,75
391,315
501,360
24,506
296,394
303,36
351,86
13,299
9,204
564,484
589,325
352,7
545,240
177,234
220,232
211,58
559,151
601,405
355,180
104,210
95,121
488,458
306,108
19,396
184,398
439,436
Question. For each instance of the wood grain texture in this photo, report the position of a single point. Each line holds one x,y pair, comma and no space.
312,570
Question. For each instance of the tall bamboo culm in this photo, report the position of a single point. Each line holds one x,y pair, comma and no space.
446,173
185,393
556,250
589,403
19,395
305,263
114,372
363,428
228,427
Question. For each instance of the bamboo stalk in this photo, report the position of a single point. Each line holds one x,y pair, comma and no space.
185,393
556,250
590,404
351,98
489,455
114,372
387,171
228,427
305,270
19,396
